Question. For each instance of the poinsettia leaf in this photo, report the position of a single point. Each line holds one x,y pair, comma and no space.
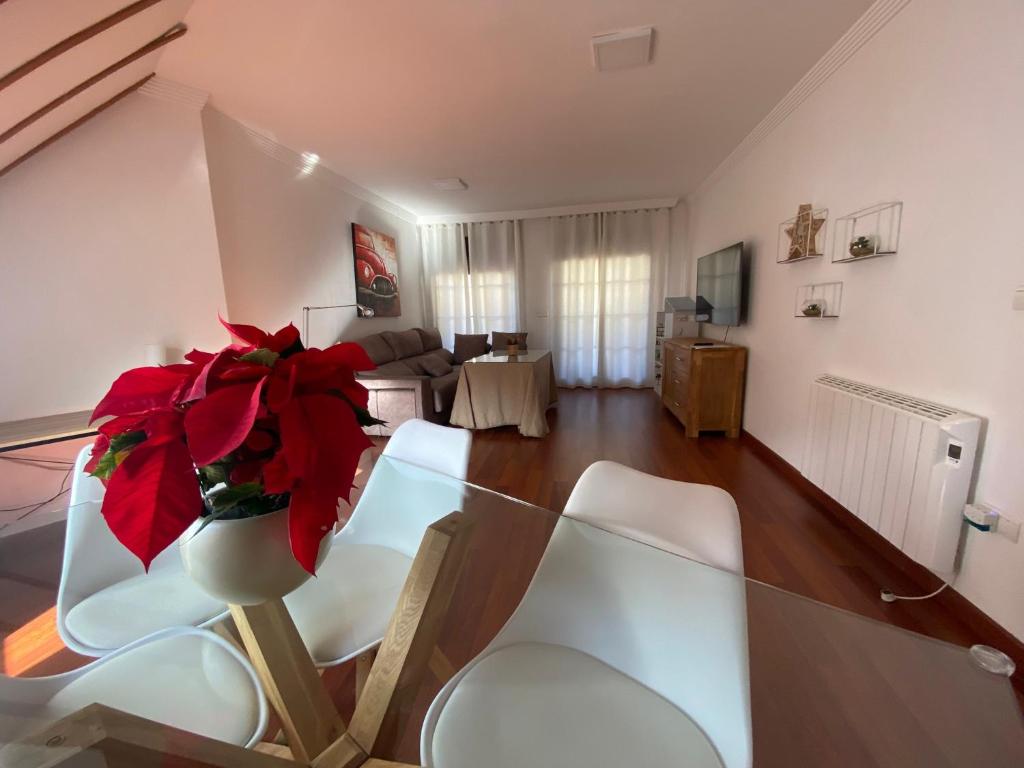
322,442
349,355
284,339
248,333
219,423
310,518
261,356
140,389
198,356
281,387
99,449
276,476
152,498
206,380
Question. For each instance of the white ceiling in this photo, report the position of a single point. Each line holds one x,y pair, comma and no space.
394,93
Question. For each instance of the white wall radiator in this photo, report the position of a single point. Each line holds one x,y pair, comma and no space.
901,464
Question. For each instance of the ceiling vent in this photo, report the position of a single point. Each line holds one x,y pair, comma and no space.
624,49
454,184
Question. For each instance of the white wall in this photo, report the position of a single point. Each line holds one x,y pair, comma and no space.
286,241
107,244
929,112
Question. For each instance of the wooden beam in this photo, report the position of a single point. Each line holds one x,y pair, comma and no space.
364,663
70,42
412,633
71,126
99,735
289,677
171,34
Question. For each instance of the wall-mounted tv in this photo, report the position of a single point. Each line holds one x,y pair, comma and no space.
721,286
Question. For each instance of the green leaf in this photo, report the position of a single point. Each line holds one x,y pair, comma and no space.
120,446
229,497
261,356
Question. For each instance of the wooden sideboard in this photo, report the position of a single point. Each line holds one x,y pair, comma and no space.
702,386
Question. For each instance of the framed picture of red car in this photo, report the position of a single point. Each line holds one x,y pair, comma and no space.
376,262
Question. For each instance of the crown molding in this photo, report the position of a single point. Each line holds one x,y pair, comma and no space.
169,90
544,213
320,172
863,30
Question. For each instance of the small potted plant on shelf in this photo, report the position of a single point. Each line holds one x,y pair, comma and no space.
862,245
243,454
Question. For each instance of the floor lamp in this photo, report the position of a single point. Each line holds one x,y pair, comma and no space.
305,319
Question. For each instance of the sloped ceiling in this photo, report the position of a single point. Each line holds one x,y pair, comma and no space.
395,93
54,71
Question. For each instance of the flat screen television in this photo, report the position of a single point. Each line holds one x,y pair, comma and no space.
721,286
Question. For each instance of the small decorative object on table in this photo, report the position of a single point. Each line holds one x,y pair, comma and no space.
803,233
242,453
513,345
813,308
864,245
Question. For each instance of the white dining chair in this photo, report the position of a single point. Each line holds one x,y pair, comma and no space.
106,600
620,653
697,521
183,677
344,611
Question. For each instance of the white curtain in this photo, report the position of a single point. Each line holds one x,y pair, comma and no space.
445,280
607,280
472,277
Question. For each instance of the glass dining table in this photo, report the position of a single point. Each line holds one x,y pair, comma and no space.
522,637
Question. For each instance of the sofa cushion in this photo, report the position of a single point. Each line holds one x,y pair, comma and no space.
501,339
470,345
444,388
416,364
434,366
390,370
377,348
405,344
442,354
431,338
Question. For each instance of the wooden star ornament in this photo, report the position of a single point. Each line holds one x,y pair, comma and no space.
803,233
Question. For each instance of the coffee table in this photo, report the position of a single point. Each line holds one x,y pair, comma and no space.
498,389
769,677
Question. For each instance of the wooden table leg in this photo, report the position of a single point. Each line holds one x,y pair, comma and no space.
364,663
99,735
413,630
309,718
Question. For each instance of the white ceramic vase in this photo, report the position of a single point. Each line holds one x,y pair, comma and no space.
247,561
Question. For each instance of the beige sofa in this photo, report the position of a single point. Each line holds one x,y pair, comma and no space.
415,378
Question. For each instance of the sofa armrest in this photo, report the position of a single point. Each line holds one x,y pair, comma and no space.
398,399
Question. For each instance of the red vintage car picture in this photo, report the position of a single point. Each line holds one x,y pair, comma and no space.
376,263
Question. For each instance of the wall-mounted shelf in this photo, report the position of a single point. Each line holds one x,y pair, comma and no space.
868,233
828,297
811,246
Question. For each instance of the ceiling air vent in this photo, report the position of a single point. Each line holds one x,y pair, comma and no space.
624,49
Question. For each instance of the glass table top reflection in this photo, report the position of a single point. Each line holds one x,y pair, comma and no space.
560,638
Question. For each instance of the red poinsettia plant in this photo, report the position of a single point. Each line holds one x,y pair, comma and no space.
261,425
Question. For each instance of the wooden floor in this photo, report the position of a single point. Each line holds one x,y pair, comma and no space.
789,539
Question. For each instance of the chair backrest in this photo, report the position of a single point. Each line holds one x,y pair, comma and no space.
441,449
398,503
93,557
693,520
674,625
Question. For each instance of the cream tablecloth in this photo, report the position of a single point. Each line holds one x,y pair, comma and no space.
497,391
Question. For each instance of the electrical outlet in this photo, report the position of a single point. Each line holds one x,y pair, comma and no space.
1009,528
1018,298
